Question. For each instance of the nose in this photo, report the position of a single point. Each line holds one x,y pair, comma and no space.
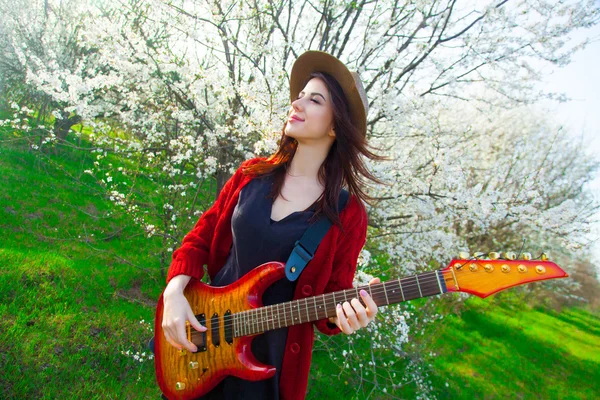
297,104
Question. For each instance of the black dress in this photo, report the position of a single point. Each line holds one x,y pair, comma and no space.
258,239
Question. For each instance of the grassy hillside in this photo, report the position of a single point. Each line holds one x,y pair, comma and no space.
76,279
79,281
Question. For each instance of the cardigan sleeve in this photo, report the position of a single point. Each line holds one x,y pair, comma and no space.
344,263
190,257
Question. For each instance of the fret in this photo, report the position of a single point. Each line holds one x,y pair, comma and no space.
250,317
306,306
371,293
234,319
418,285
248,322
401,291
345,298
257,319
260,320
276,316
269,310
298,309
291,314
265,314
284,317
324,303
385,292
242,324
316,311
439,283
334,302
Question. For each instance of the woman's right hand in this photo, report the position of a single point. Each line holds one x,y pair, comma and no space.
176,312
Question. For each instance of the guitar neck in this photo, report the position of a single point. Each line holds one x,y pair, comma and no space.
309,309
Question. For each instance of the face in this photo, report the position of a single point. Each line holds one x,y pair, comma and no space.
311,115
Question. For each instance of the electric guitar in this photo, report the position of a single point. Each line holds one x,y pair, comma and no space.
235,313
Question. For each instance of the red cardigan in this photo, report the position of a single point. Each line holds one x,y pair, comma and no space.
331,269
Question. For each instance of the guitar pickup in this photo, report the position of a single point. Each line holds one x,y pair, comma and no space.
200,337
228,326
215,333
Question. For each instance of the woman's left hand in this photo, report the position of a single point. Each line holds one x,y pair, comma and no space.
352,315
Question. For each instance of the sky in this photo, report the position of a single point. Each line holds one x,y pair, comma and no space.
580,81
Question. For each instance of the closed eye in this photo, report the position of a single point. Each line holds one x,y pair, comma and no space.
313,99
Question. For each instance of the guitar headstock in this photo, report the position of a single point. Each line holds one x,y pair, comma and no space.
485,274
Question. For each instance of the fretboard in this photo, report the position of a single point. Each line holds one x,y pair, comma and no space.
258,320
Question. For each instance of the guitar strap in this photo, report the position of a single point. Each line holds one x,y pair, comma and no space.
306,247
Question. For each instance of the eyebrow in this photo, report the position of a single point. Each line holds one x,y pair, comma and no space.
316,94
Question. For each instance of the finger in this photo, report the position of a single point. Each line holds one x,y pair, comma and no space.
371,306
374,280
174,344
343,321
361,313
182,338
194,322
170,339
351,315
169,336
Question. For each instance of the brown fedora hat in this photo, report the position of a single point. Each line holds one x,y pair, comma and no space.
319,61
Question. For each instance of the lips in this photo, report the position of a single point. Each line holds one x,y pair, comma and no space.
295,118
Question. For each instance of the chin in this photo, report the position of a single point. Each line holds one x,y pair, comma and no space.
291,133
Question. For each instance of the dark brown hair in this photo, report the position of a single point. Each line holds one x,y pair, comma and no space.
342,167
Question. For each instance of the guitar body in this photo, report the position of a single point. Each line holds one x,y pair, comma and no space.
183,375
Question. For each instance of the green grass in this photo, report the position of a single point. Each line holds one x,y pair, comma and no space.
492,351
77,277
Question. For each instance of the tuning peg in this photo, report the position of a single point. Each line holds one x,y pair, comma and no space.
494,255
526,256
478,255
544,257
509,255
463,255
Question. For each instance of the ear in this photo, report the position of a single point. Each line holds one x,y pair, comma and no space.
332,132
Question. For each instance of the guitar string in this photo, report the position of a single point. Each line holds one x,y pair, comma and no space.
254,317
378,289
380,286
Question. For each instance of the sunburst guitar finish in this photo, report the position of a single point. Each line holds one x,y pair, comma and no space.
234,314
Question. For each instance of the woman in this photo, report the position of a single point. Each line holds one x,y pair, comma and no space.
319,152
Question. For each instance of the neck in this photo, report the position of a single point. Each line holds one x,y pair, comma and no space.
308,158
295,312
